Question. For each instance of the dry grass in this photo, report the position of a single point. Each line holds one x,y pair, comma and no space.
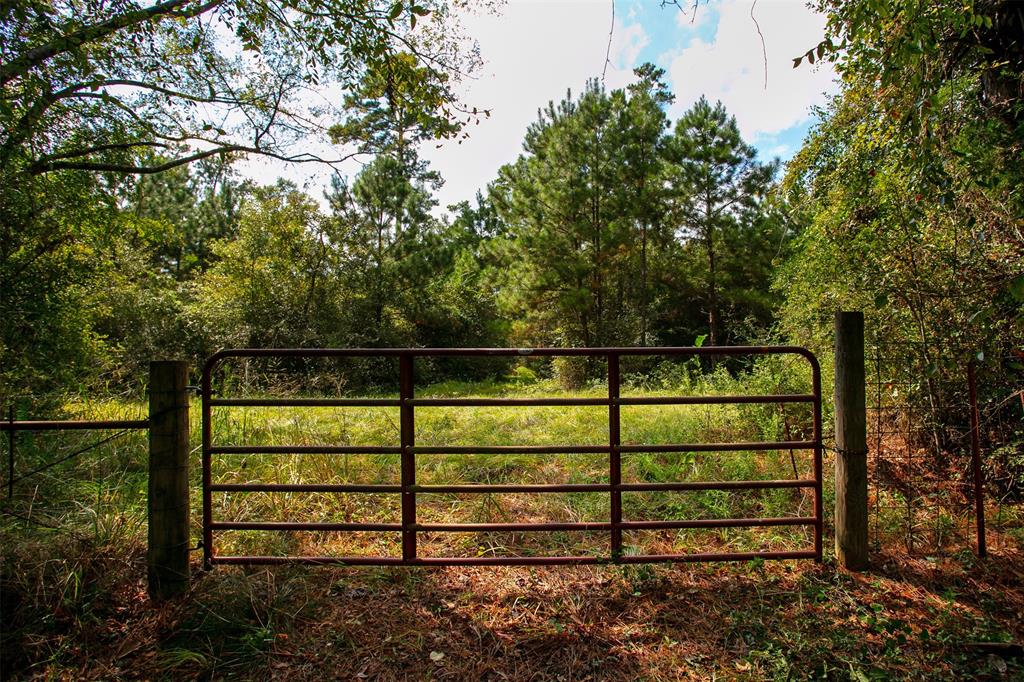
908,619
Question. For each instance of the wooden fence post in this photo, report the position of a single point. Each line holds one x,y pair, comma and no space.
851,443
168,550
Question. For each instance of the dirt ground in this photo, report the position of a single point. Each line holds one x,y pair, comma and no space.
907,618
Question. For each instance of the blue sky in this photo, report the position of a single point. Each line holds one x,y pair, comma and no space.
726,33
535,50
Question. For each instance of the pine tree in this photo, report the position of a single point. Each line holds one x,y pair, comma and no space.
717,185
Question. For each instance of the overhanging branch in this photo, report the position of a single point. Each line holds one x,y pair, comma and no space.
50,165
40,54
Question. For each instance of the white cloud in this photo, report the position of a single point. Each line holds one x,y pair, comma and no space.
627,43
731,68
533,52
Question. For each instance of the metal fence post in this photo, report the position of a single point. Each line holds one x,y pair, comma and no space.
407,421
615,456
10,452
851,513
168,542
979,480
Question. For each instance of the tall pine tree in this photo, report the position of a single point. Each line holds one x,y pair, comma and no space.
717,186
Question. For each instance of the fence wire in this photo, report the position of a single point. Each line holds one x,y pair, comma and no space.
921,483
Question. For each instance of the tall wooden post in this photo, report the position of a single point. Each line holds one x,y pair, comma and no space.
851,443
168,551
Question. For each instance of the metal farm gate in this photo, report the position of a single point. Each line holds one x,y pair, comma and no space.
408,450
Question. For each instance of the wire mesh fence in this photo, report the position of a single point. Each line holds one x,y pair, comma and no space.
921,479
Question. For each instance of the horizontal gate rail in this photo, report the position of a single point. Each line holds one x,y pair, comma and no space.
305,402
408,489
305,450
508,487
63,425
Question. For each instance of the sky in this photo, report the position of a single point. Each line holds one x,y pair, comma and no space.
534,51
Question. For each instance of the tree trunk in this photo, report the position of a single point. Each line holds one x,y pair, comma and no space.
643,283
712,290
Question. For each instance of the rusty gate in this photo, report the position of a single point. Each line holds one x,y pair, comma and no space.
407,449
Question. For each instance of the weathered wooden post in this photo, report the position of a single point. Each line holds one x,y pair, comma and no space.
168,550
851,443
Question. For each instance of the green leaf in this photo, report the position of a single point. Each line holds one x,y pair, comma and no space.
1017,289
396,11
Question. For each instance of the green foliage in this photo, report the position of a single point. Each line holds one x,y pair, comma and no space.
272,284
99,88
191,207
718,188
398,104
913,50
91,256
574,240
613,228
910,193
52,262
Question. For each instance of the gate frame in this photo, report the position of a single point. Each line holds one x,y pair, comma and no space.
406,402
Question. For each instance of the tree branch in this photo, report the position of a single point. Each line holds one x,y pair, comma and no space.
45,166
103,148
48,166
37,55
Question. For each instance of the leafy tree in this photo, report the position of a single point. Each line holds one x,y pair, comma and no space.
644,168
580,207
195,205
393,109
718,187
910,192
277,283
95,87
93,95
477,223
914,49
386,231
46,282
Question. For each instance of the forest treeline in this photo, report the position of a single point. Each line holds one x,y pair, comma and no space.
615,226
